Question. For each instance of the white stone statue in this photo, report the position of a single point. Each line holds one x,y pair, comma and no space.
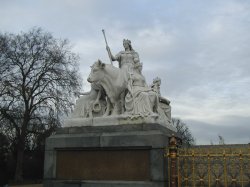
164,108
121,94
127,58
113,81
140,100
91,104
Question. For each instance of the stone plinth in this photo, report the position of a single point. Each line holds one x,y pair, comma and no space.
107,156
118,120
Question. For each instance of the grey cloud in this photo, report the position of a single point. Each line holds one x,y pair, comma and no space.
234,129
199,49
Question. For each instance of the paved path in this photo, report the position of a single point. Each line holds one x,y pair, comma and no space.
28,185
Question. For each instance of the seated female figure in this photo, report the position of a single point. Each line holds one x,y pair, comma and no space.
140,99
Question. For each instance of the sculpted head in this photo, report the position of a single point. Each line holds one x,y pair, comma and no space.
97,72
157,81
138,66
127,44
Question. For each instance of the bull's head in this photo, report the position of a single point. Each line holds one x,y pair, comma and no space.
97,72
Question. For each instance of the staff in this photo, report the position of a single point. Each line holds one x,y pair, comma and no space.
107,46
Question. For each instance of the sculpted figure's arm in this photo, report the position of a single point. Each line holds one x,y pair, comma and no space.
112,57
164,100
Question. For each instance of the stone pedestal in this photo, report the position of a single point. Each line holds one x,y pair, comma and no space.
107,156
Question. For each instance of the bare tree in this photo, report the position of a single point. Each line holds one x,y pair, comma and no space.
38,78
221,140
184,132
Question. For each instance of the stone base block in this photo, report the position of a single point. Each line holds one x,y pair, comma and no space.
58,183
115,155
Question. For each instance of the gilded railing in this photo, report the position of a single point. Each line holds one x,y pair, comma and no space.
215,166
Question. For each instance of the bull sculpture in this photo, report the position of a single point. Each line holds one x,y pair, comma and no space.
114,83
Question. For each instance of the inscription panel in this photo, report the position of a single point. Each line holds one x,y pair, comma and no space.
128,165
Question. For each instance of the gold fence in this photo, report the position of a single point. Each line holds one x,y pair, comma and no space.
212,166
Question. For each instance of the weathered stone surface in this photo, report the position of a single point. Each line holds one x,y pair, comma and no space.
73,140
49,169
115,128
151,137
158,165
117,120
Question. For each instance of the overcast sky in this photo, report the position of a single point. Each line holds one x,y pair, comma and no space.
200,49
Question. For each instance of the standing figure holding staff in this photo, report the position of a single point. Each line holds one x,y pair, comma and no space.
127,58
